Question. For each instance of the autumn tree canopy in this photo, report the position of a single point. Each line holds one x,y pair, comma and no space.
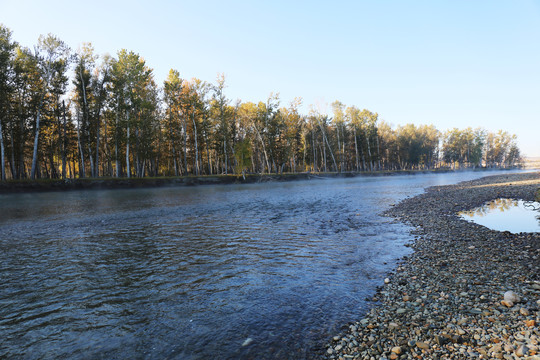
67,114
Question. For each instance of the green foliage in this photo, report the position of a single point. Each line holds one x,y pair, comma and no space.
243,156
117,122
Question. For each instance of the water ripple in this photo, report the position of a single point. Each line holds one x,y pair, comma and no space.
191,273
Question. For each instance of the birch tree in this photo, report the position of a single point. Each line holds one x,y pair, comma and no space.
339,122
172,91
7,48
199,114
50,50
133,89
221,112
101,78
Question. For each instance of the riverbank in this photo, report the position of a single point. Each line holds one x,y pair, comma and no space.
531,163
14,186
444,300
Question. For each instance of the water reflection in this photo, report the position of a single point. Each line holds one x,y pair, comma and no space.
506,215
192,273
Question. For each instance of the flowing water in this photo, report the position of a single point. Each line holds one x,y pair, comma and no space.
235,271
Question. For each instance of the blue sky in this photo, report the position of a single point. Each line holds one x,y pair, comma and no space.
448,63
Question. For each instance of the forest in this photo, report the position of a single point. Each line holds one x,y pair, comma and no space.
68,114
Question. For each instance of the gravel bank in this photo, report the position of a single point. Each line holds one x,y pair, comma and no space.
446,300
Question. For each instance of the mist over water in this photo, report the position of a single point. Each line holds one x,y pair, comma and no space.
196,272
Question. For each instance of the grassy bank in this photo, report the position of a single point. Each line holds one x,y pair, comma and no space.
13,186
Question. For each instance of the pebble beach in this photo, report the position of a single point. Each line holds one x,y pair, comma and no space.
466,291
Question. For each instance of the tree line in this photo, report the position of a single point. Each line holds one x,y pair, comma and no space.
67,114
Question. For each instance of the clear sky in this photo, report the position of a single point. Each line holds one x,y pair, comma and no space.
453,63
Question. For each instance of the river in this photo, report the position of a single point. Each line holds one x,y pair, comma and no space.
256,271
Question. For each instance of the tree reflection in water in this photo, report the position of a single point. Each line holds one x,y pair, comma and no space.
506,214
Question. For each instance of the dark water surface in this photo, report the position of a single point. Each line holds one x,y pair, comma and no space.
196,272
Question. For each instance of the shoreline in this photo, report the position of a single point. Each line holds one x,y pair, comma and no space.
444,300
44,185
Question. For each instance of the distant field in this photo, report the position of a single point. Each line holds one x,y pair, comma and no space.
532,163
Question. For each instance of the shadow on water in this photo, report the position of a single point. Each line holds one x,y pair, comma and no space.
251,271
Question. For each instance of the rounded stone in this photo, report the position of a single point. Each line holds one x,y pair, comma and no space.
511,296
524,312
522,351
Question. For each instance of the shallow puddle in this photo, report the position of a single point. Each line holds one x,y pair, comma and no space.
506,215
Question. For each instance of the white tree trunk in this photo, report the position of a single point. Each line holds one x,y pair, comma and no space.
369,153
96,162
81,150
226,158
208,157
85,120
64,142
91,161
128,169
36,140
3,164
116,147
378,152
14,170
196,145
264,149
48,73
171,133
339,146
315,169
329,148
343,143
185,145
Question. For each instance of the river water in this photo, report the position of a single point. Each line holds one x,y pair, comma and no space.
232,271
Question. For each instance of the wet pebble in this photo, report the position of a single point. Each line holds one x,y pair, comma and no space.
457,295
